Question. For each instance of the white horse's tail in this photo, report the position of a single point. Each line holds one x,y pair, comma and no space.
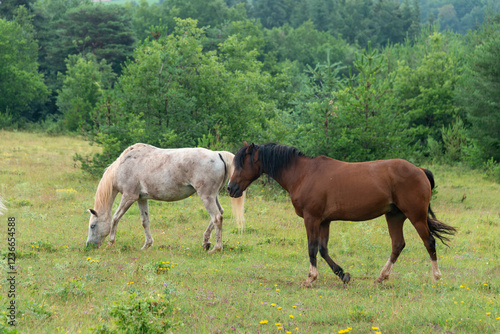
237,204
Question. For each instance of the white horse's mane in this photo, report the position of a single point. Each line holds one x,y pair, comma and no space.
104,192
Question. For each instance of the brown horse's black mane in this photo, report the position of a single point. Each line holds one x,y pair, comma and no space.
273,157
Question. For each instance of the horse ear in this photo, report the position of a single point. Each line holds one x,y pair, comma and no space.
250,148
245,143
92,212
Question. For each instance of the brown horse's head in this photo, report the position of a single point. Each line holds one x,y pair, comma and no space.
247,169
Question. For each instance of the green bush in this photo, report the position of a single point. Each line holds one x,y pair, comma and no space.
137,314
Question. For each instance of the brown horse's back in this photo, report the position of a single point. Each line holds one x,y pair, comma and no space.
360,191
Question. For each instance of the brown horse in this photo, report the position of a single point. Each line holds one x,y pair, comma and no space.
323,189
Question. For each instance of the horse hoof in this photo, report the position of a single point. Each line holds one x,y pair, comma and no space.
346,278
306,285
218,250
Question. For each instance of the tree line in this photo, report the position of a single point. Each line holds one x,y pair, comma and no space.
352,79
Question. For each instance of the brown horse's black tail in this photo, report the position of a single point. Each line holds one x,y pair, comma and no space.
437,228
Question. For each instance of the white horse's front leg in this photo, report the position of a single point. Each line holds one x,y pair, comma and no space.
143,207
125,204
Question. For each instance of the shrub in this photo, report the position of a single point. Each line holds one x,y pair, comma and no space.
138,314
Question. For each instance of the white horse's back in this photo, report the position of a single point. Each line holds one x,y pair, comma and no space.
169,174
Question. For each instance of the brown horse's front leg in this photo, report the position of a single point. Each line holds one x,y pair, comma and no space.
324,231
317,237
312,229
311,278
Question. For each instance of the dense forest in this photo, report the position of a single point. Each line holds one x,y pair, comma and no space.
352,79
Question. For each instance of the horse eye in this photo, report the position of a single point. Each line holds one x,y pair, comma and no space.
92,226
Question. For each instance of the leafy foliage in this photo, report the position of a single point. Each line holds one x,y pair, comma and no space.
83,86
103,30
172,94
478,91
139,314
426,90
301,72
20,83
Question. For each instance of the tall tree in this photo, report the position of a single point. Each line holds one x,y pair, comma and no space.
20,82
368,125
425,88
51,57
103,30
480,86
272,13
8,7
84,84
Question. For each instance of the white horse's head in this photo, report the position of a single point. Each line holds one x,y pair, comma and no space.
99,228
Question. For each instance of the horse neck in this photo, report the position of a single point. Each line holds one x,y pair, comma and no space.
104,208
106,193
289,178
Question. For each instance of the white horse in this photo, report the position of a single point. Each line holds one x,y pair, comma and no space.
145,172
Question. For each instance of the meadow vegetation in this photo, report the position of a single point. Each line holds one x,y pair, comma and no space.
253,286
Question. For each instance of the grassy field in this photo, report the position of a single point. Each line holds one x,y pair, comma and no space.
251,287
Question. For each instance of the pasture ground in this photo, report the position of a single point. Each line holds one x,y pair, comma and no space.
253,286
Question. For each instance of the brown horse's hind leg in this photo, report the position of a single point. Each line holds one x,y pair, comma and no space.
395,222
422,228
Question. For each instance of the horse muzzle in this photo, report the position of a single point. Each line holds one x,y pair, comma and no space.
92,244
234,190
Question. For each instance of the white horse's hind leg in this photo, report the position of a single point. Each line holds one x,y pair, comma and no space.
143,207
210,203
208,232
206,236
125,204
218,234
219,206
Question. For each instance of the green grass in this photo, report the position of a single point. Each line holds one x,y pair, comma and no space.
63,288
